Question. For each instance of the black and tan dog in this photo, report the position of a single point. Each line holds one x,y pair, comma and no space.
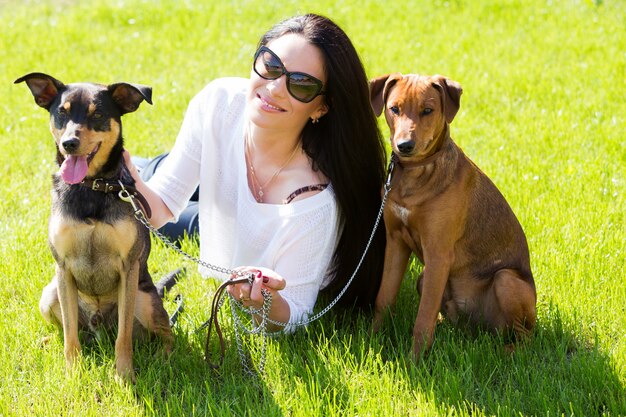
100,248
444,209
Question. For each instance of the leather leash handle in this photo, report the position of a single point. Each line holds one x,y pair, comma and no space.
213,320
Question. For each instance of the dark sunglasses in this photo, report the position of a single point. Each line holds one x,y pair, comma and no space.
303,87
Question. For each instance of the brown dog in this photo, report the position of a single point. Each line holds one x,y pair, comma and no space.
444,209
100,248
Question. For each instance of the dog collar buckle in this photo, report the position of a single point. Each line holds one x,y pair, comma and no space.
95,186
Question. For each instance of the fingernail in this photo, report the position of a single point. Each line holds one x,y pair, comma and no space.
266,279
258,274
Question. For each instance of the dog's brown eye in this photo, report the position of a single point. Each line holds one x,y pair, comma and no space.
395,110
96,115
427,111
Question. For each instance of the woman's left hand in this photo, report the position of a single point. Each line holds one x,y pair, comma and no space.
250,295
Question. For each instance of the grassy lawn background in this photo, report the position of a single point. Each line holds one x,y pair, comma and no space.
543,114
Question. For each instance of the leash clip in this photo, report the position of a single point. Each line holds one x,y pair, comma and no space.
124,195
247,279
392,164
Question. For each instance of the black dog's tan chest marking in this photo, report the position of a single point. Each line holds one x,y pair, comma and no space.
93,252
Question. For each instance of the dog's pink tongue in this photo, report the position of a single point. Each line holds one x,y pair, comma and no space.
73,169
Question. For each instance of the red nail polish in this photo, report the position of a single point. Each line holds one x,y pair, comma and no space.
266,279
258,274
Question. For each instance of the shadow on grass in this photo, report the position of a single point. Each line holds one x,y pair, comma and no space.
326,367
560,371
182,383
185,384
556,373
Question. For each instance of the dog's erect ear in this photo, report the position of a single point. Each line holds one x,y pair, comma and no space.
44,87
451,96
379,90
129,96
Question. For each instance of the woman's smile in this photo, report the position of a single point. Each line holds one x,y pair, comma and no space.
268,105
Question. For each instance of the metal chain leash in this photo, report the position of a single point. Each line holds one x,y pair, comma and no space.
263,312
317,316
261,329
345,288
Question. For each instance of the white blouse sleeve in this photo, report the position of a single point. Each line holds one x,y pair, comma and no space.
179,174
303,261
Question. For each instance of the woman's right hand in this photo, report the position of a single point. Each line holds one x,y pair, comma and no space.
161,214
131,166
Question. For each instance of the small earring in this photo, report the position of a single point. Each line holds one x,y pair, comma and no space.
315,120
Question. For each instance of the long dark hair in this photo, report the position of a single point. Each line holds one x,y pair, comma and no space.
346,145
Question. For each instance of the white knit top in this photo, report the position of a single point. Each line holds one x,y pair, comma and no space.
297,240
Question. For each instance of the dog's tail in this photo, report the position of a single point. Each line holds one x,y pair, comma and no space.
168,281
165,284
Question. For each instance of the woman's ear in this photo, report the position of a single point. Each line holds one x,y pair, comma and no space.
320,111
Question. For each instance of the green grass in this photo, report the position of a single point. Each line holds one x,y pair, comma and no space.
543,114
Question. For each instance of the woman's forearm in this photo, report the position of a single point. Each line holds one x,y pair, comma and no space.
161,214
279,312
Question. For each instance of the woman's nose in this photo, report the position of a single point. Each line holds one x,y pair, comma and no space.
278,87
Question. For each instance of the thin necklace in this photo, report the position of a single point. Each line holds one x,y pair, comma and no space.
256,184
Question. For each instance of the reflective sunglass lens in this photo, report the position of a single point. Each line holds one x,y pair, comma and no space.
272,67
267,67
301,86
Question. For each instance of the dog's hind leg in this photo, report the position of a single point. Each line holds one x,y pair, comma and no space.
49,305
152,316
510,305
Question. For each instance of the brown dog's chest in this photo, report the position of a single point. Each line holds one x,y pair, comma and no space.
94,253
422,208
400,222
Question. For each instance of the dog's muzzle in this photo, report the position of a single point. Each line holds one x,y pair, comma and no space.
70,145
406,146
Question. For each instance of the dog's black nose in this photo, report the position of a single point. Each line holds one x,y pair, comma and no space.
406,146
71,145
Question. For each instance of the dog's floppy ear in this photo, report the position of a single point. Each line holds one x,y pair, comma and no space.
44,87
451,95
377,86
379,90
129,96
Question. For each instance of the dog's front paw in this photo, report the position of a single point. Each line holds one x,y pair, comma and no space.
124,371
422,342
124,362
378,321
72,354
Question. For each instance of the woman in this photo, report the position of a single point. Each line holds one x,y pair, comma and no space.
290,165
